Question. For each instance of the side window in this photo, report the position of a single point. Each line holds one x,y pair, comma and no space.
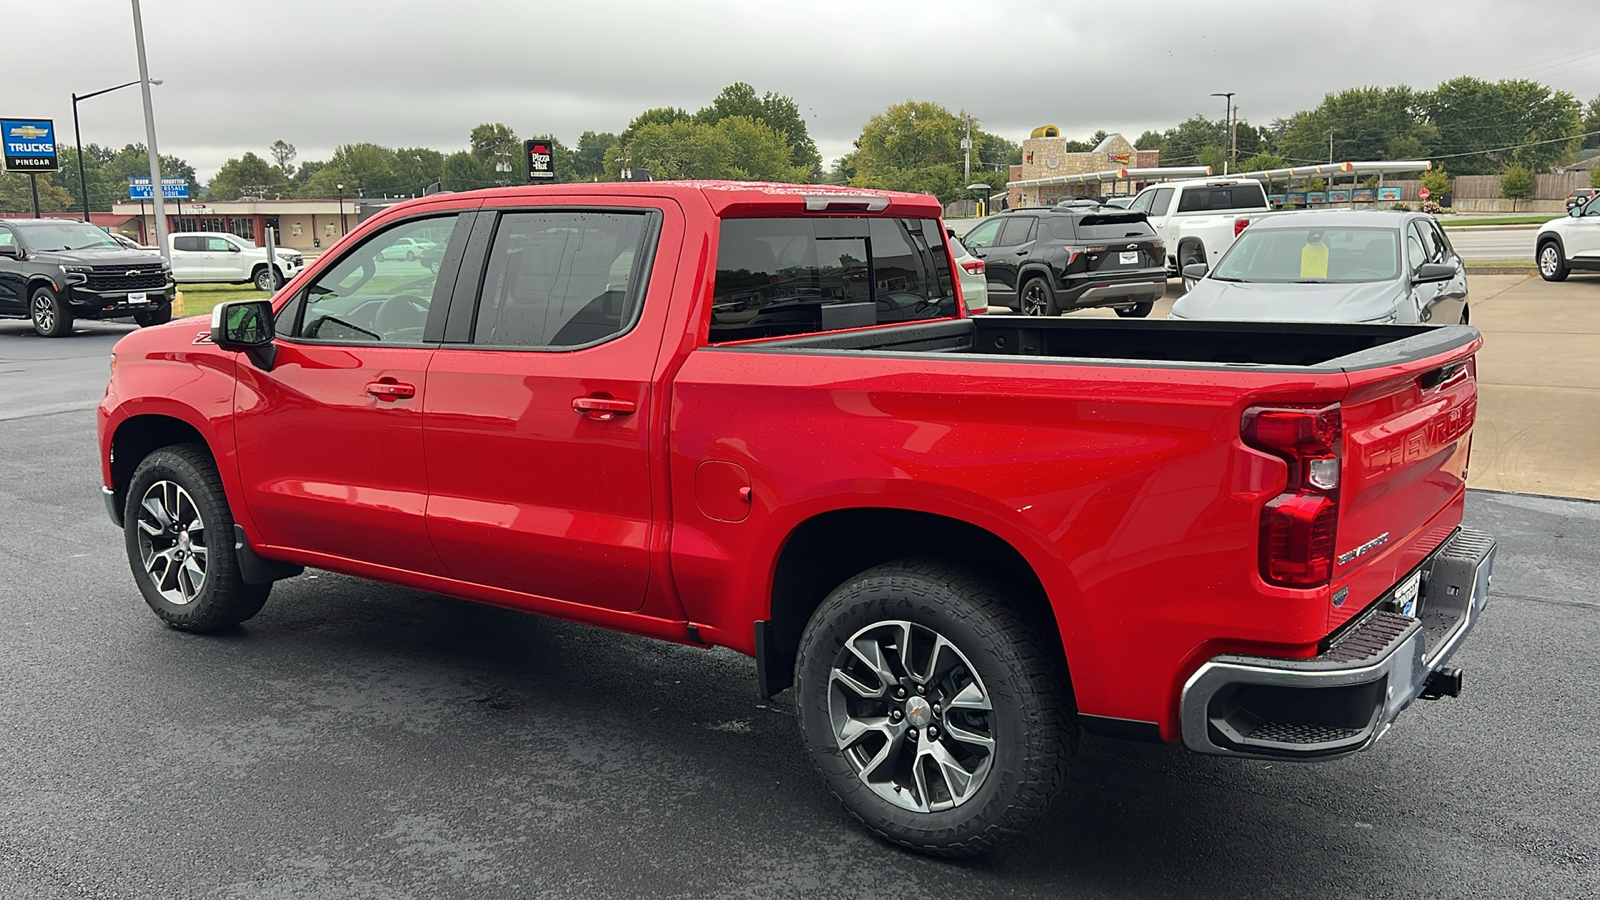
1017,231
1445,251
1429,245
1591,210
189,244
562,279
1416,253
792,276
7,239
219,245
983,235
1142,202
369,297
1162,202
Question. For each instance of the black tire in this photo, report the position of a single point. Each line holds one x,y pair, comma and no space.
1136,311
266,280
1030,722
1188,255
1037,298
50,316
1466,314
1552,267
220,598
153,317
410,256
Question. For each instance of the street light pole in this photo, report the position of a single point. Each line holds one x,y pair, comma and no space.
150,137
1227,121
339,185
83,188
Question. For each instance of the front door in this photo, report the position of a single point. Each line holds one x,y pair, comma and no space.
1005,258
13,284
330,440
539,413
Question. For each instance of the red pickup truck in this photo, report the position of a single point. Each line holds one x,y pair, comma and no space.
756,416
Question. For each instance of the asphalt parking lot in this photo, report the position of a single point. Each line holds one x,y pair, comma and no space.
362,741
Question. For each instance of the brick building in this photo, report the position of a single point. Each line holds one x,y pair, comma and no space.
1045,155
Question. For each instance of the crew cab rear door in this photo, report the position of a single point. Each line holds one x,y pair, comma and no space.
540,405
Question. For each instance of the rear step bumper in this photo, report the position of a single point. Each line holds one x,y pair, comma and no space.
1341,702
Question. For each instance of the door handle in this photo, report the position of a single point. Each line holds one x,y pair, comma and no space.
391,390
603,409
1022,252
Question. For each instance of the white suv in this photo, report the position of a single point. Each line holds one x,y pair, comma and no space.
1569,243
202,257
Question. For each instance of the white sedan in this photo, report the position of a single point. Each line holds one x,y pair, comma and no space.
974,282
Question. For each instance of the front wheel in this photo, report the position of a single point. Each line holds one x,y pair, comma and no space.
179,536
267,280
1038,298
1136,311
1188,255
51,317
1551,266
932,708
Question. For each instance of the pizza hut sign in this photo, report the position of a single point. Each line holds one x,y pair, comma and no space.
541,161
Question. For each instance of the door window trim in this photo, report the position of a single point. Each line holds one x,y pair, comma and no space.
468,289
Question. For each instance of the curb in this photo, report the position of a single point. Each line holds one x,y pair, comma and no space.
1503,270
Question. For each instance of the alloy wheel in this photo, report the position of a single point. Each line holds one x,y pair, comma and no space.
1549,260
1033,300
44,313
172,542
911,716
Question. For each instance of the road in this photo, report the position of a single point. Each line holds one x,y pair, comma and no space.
362,741
1474,244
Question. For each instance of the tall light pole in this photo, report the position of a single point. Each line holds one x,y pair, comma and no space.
339,186
1228,121
150,138
77,137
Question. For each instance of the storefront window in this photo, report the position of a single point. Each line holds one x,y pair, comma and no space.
243,226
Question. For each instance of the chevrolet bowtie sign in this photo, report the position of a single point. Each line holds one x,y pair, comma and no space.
29,144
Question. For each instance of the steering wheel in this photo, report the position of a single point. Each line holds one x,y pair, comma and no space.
400,313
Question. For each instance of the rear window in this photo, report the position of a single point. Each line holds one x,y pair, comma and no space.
1111,227
1222,197
779,277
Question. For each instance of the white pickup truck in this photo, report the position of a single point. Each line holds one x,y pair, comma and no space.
1198,220
206,257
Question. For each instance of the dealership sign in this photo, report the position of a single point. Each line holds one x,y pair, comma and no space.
171,189
30,145
541,161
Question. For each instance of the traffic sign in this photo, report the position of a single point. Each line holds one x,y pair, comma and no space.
1424,193
30,145
171,189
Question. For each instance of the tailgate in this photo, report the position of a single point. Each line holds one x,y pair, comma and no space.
1407,434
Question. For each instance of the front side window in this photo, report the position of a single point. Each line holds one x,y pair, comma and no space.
779,277
983,235
368,297
1142,202
1416,251
562,279
7,239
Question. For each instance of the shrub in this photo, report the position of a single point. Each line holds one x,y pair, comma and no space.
1431,208
1402,207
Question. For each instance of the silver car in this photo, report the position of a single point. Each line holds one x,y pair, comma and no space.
1371,267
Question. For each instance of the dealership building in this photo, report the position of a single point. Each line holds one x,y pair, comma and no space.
306,225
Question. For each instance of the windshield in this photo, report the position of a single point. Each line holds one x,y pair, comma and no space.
1312,255
67,236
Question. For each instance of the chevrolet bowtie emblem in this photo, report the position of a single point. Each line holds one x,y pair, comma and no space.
131,273
28,131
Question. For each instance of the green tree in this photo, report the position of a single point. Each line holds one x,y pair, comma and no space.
368,169
463,171
283,154
16,196
1594,177
1437,183
906,137
994,151
1150,140
775,110
1477,121
663,115
1516,183
1591,124
416,168
248,175
736,148
1365,123
492,141
589,159
131,161
305,170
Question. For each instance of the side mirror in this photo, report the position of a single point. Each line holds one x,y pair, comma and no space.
11,250
1196,271
233,248
1433,272
1575,210
245,326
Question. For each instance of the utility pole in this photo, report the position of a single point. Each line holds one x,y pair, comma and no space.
1227,120
1330,145
150,137
966,150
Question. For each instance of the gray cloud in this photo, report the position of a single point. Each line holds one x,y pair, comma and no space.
408,73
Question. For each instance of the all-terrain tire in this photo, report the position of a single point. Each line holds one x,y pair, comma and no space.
183,479
1031,722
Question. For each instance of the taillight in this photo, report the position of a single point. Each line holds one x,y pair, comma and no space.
1240,225
1298,526
1074,252
973,267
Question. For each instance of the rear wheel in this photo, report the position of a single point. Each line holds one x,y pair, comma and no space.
1037,298
932,709
1551,266
1466,314
179,536
266,279
1136,311
50,315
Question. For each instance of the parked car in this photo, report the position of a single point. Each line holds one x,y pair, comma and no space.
1042,261
53,271
970,272
128,243
200,257
1199,220
1569,244
409,250
753,416
1581,196
1366,266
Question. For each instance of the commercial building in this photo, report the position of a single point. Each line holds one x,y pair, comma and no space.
302,224
1045,159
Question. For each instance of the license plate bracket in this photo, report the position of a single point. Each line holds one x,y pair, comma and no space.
1407,595
1128,258
138,298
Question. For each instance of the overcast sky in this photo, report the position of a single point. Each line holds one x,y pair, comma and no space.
400,73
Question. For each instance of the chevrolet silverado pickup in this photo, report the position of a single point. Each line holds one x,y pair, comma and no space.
1198,220
758,417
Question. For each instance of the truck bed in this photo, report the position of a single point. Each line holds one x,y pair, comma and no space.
1259,345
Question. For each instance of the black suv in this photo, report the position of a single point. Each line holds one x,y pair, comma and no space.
55,270
1041,261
